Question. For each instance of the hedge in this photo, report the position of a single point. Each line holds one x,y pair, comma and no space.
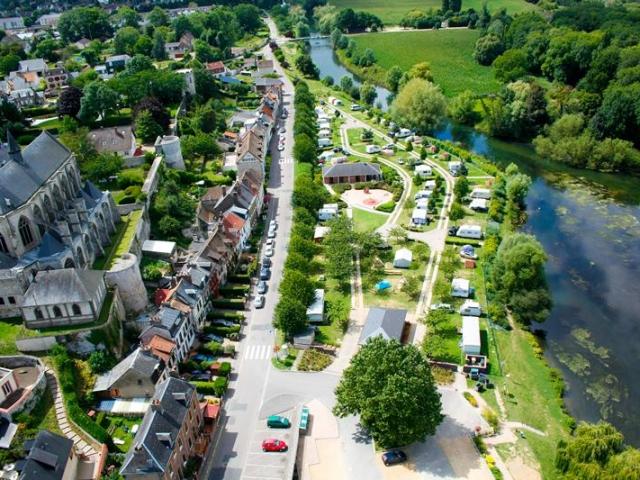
233,304
223,314
386,207
234,289
66,376
221,330
39,111
240,278
217,387
462,241
225,369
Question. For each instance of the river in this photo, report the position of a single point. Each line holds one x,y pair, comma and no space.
589,225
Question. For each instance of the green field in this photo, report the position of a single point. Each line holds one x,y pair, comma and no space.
392,12
449,52
364,221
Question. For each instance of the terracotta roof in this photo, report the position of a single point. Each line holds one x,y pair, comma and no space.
231,220
229,134
161,347
216,67
210,410
161,295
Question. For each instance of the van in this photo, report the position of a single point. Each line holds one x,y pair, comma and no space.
404,133
355,107
276,421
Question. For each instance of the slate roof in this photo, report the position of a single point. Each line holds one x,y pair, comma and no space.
67,285
33,65
140,361
113,139
385,322
351,169
47,457
153,445
19,180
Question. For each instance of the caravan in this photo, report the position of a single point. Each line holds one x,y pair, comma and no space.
469,231
324,142
483,193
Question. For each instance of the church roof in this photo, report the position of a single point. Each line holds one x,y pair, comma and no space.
67,285
21,178
50,245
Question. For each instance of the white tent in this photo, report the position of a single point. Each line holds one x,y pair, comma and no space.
471,335
403,258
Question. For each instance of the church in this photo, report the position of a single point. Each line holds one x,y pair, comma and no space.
49,218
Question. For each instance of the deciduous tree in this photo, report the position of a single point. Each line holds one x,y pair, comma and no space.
419,105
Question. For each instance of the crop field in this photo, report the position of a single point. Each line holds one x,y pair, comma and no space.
449,52
391,12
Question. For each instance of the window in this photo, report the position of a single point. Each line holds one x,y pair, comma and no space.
7,388
3,245
76,309
26,235
38,313
1,300
57,312
12,300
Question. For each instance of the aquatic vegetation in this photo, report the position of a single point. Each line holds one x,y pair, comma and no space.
583,338
606,391
575,362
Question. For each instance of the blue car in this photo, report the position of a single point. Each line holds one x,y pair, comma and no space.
393,457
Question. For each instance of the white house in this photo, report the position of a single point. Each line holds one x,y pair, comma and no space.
471,335
429,185
484,193
422,194
469,231
419,216
422,204
315,311
479,205
423,171
403,258
471,308
460,288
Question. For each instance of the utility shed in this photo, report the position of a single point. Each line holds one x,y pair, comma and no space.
387,323
403,258
159,248
471,335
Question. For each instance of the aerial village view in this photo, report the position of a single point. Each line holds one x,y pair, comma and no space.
319,239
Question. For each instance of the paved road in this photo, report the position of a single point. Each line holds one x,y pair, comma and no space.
247,389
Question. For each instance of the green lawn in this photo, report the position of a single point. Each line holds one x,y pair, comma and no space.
120,241
10,328
364,221
392,12
449,52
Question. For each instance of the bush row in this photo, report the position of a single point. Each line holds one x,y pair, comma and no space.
233,303
217,387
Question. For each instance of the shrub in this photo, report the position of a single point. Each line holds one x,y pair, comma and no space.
314,361
386,207
479,441
220,385
341,188
213,314
471,399
213,347
221,330
204,388
225,369
128,178
229,350
491,417
234,304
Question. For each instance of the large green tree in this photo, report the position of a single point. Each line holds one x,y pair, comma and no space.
296,284
518,278
390,386
419,105
290,316
84,22
97,101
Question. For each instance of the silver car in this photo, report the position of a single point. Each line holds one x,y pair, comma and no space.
258,302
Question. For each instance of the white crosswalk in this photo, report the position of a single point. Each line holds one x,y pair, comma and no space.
258,352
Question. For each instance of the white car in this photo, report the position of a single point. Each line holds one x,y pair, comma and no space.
273,225
268,252
280,147
282,130
258,302
271,234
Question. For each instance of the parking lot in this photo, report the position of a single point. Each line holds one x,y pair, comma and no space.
271,465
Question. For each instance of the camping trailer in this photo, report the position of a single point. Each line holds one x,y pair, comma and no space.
423,171
471,344
483,193
469,231
403,258
324,142
471,308
460,288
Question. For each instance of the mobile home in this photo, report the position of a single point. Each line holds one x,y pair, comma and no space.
483,193
471,308
469,231
460,288
471,344
423,171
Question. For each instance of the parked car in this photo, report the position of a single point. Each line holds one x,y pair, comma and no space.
276,421
281,147
355,107
262,287
274,445
266,262
265,274
271,233
269,252
282,130
258,302
273,225
270,242
393,457
453,231
210,337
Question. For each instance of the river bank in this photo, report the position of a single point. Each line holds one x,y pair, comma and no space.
589,223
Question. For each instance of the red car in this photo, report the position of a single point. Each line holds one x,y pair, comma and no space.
274,445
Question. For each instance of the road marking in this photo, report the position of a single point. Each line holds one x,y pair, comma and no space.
285,160
257,352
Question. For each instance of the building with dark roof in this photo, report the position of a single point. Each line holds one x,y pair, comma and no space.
49,457
168,435
62,297
174,325
351,173
134,377
387,323
48,218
